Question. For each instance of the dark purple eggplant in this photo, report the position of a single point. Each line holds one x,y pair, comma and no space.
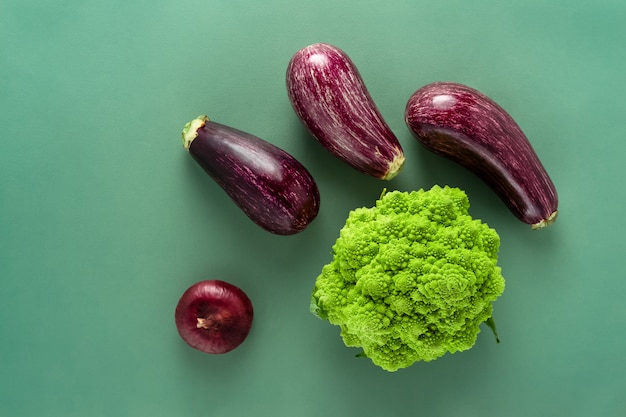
465,126
330,98
271,187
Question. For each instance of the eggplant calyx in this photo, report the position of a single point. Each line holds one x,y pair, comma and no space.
394,167
190,131
546,222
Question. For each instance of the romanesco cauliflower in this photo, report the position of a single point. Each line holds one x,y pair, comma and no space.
411,278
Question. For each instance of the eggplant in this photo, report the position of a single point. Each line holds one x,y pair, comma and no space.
329,96
464,125
268,184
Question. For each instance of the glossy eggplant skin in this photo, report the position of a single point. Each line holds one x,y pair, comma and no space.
329,96
268,184
465,126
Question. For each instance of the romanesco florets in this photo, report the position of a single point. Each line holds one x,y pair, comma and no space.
411,278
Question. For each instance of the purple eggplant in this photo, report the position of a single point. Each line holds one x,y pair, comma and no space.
465,126
330,98
271,187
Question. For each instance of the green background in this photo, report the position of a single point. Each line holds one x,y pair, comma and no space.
105,220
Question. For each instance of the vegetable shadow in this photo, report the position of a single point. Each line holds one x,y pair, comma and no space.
336,179
269,256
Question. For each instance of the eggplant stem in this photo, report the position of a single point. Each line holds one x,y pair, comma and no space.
190,131
394,167
546,222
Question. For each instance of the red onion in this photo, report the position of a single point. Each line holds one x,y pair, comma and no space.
214,316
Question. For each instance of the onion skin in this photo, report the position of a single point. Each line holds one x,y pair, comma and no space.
268,184
330,98
465,126
214,316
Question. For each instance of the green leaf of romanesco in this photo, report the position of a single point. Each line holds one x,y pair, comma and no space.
411,278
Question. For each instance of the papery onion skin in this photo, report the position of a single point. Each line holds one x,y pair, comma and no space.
214,316
329,96
467,127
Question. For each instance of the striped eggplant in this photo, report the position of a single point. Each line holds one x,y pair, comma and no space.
464,125
330,98
271,187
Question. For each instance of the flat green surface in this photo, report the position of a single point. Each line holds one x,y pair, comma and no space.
105,220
